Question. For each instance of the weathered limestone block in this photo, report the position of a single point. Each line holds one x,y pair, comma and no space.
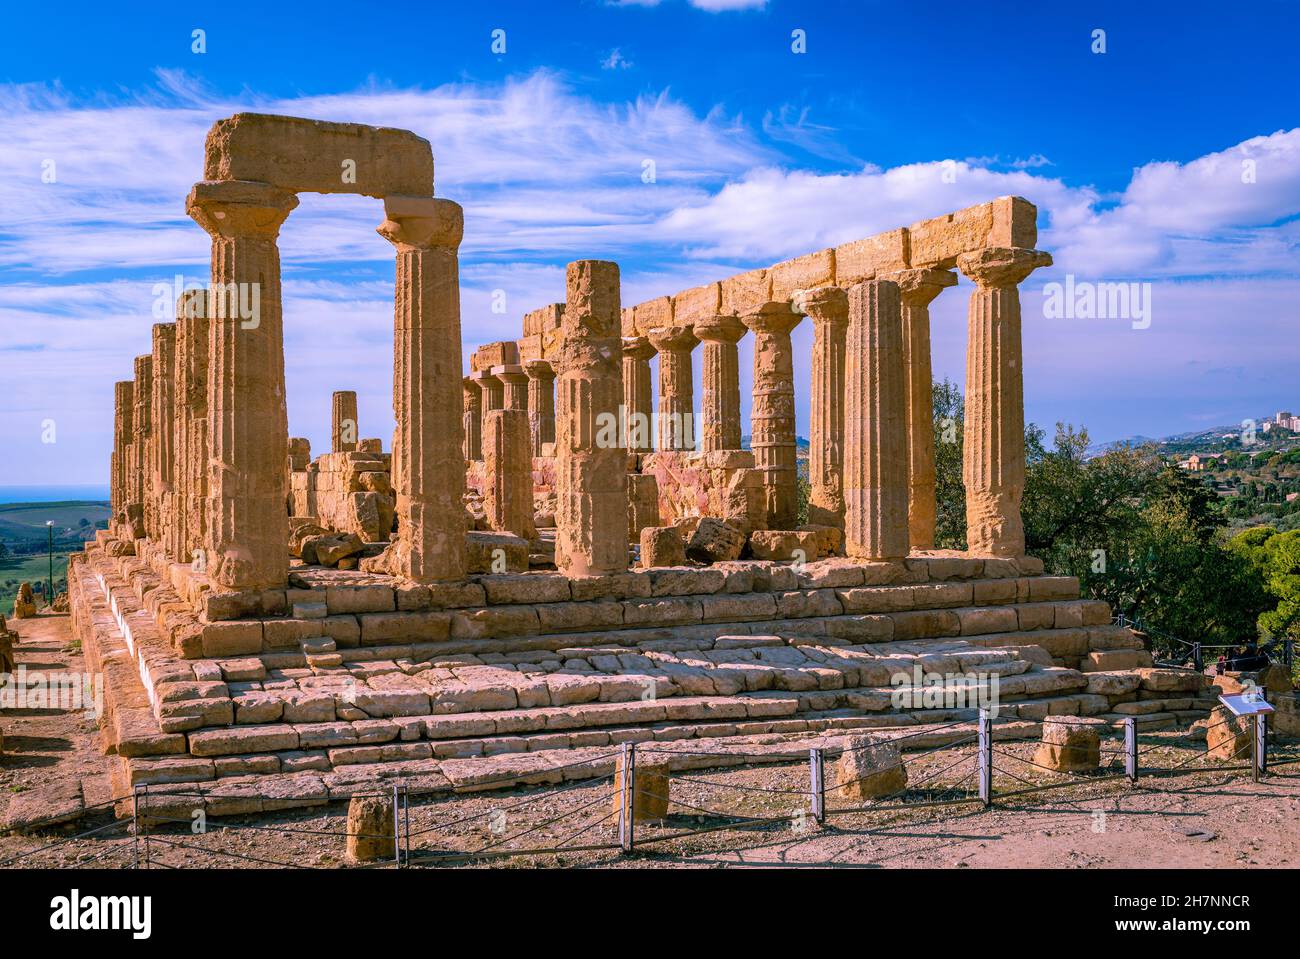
875,462
650,789
662,546
714,541
371,829
868,769
1070,743
495,553
508,456
315,156
25,602
784,545
1228,736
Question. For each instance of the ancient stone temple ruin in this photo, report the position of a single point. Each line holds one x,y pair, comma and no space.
543,565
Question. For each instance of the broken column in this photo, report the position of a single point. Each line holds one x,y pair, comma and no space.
875,417
473,398
772,424
191,427
507,454
428,445
638,399
676,413
828,306
541,404
720,404
993,469
162,449
917,288
591,466
248,446
343,422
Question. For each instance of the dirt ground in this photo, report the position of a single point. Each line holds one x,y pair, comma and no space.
1199,816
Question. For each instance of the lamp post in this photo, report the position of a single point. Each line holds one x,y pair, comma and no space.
49,583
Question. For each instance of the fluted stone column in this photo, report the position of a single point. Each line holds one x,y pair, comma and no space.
720,404
875,454
428,449
193,330
772,424
514,382
917,288
248,533
541,403
994,458
162,447
507,454
828,307
344,429
123,434
638,396
676,419
142,424
493,390
473,397
591,466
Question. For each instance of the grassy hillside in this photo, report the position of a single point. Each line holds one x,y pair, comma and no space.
25,539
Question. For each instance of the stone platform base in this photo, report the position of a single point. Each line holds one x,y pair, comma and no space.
535,676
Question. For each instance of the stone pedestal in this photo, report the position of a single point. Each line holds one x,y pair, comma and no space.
371,829
828,307
1070,743
248,446
994,466
507,454
676,419
162,448
917,289
650,789
591,466
868,769
772,430
428,445
720,409
344,430
875,441
473,399
541,403
638,398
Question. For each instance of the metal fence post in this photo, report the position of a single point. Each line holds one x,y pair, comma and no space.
986,758
1131,749
1196,656
135,822
406,825
817,785
397,847
626,811
1259,744
145,826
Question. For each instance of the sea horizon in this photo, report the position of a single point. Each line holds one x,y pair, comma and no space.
52,494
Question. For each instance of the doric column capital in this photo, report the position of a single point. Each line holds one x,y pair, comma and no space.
485,379
637,348
1001,267
422,223
920,287
825,304
719,329
543,370
511,373
243,208
671,339
472,386
773,318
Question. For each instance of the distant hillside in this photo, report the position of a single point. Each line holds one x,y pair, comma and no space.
23,525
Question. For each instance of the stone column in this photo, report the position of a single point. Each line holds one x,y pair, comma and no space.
514,383
591,468
493,390
343,422
875,441
142,443
162,449
473,398
191,398
428,450
828,306
507,454
248,532
720,405
917,288
772,424
541,403
638,397
993,467
123,433
676,419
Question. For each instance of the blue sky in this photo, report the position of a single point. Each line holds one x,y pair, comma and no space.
1133,157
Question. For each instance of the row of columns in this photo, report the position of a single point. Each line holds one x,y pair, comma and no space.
528,386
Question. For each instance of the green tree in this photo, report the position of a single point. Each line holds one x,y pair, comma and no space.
950,491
